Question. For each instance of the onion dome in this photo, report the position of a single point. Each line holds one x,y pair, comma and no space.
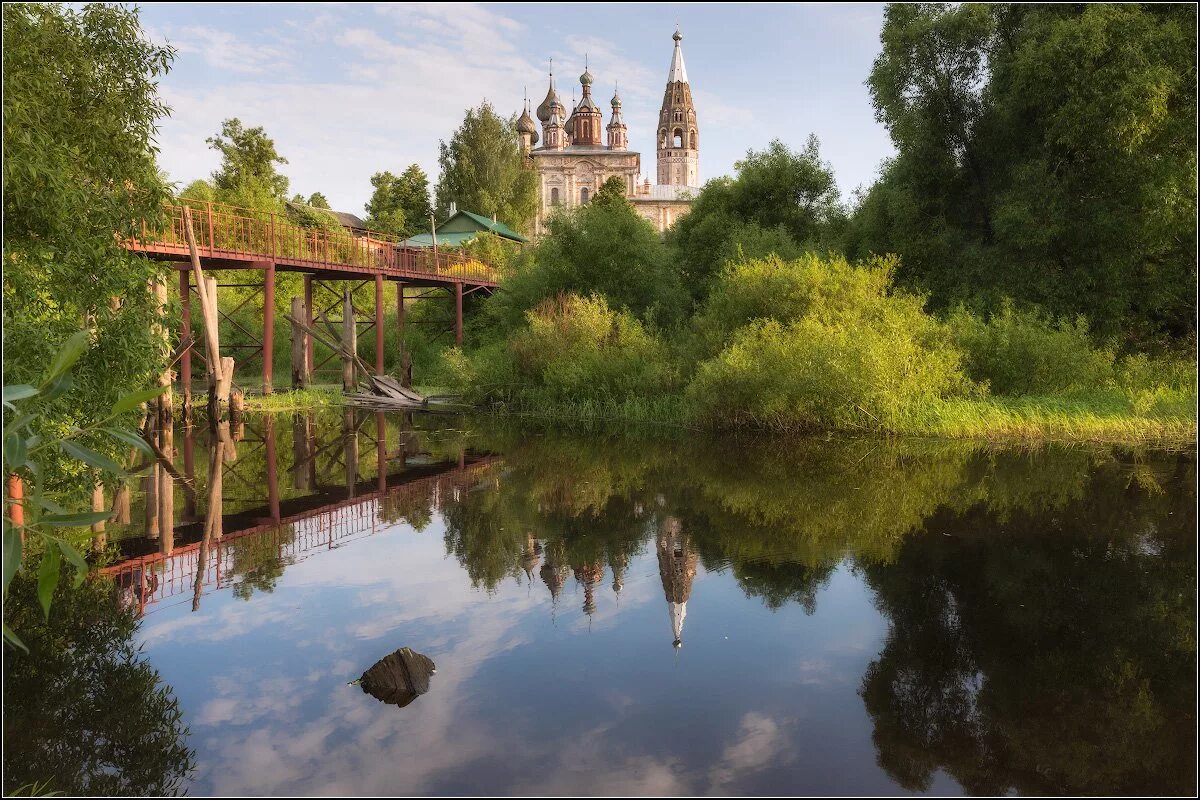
586,78
543,111
616,101
525,123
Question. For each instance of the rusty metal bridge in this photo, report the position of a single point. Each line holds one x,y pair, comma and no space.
232,238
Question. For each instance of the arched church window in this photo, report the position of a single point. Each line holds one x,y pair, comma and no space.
662,139
583,195
679,137
554,196
694,138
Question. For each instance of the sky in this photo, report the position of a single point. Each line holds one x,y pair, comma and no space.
347,90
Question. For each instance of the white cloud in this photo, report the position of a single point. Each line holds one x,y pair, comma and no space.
224,50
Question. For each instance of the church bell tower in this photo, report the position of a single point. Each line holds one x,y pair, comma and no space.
678,136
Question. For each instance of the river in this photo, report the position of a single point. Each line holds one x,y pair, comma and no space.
663,613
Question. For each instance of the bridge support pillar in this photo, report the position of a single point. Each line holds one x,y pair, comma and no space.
308,320
268,354
458,314
185,360
378,323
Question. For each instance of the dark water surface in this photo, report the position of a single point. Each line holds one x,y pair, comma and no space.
629,616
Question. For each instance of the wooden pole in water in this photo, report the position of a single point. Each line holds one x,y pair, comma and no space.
165,378
185,361
300,373
308,320
379,323
349,341
269,325
166,490
208,307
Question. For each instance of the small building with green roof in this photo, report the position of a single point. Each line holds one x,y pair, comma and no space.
461,227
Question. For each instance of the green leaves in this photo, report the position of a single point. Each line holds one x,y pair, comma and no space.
70,352
48,577
130,438
12,552
22,391
91,457
131,401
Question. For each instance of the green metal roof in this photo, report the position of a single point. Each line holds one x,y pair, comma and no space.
483,223
452,239
461,227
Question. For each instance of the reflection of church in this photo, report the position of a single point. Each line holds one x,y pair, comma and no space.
676,569
574,161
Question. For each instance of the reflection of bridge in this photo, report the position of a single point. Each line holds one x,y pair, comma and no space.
229,238
305,525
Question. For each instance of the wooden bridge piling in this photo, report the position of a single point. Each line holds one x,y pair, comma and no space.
378,323
185,360
308,320
300,369
350,341
268,354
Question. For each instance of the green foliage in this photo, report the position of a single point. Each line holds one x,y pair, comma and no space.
307,216
612,191
84,712
827,344
1027,353
482,170
399,204
80,116
248,159
317,200
1044,153
27,453
781,201
604,249
570,349
575,346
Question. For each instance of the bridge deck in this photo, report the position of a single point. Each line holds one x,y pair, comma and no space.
234,238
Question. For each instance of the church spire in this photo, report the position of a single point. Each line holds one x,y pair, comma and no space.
678,134
678,72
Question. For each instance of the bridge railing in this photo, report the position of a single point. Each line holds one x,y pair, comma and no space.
225,231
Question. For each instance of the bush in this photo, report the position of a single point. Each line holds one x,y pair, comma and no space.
813,374
829,288
827,345
1024,352
575,348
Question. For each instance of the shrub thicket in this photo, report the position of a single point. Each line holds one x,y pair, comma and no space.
821,343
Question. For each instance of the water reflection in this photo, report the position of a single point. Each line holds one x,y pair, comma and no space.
84,712
738,616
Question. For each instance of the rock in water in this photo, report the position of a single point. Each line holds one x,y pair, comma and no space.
398,678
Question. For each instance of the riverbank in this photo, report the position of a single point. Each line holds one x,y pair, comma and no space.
1095,418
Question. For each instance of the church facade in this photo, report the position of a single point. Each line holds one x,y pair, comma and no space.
578,152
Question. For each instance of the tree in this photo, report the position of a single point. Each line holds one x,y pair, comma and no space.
80,115
1043,153
248,159
612,192
482,170
601,249
317,200
399,204
781,202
